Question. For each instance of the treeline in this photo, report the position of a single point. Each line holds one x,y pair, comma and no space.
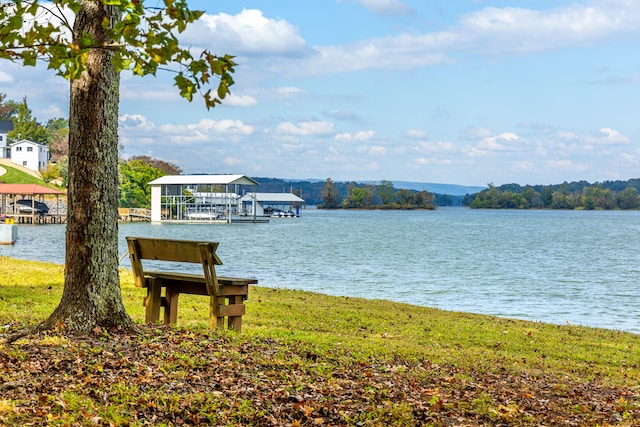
352,194
372,196
574,195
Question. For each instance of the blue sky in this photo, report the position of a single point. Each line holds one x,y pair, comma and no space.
462,92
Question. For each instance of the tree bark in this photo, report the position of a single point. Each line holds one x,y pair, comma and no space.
91,295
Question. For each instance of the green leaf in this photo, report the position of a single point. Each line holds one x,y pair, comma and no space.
29,58
186,86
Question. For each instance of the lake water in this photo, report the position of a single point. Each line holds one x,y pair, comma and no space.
581,267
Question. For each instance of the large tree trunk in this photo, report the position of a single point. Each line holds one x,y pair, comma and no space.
91,294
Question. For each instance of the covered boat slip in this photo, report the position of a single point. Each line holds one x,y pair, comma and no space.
200,198
32,204
272,204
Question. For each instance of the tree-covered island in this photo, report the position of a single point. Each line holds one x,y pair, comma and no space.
575,195
375,196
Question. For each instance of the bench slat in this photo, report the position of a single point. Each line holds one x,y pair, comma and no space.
232,310
171,249
188,277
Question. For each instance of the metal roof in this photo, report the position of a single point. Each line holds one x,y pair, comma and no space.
204,180
6,126
273,197
27,189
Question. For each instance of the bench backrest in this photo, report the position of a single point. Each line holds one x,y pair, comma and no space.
190,251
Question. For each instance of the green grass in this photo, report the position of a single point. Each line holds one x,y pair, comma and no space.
481,369
15,176
366,328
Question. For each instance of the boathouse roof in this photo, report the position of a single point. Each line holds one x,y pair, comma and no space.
204,180
273,197
27,189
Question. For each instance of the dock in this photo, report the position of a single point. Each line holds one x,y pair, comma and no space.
134,215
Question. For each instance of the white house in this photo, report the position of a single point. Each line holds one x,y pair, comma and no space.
29,154
5,128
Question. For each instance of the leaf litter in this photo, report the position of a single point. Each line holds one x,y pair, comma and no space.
175,377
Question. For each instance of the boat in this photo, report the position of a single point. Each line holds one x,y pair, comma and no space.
28,206
283,214
202,216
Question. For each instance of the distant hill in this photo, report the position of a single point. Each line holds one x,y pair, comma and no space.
450,189
446,189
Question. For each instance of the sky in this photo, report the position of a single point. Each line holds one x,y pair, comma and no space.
465,92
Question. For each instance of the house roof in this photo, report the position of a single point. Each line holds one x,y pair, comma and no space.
26,141
273,197
6,126
27,189
203,180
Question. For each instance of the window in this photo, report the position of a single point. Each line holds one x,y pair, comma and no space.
29,148
24,163
18,148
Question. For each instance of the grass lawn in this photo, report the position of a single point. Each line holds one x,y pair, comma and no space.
15,176
308,359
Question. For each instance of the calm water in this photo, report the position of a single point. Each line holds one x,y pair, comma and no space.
551,266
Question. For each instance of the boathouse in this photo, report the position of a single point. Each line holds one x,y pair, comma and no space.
193,198
271,204
26,203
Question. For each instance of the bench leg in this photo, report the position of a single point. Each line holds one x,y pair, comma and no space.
235,322
171,310
215,320
152,301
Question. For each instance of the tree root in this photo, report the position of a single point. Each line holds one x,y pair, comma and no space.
15,336
10,338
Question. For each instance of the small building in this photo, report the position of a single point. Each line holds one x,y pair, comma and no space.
191,198
271,204
5,128
29,154
26,203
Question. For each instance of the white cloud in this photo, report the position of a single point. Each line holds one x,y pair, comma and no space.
365,135
318,128
415,134
424,161
248,32
361,136
377,150
205,130
608,136
501,142
233,100
477,133
489,31
436,147
136,122
514,29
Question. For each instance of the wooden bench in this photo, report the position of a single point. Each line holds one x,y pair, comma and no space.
227,294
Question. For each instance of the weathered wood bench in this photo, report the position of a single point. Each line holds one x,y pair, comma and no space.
227,294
